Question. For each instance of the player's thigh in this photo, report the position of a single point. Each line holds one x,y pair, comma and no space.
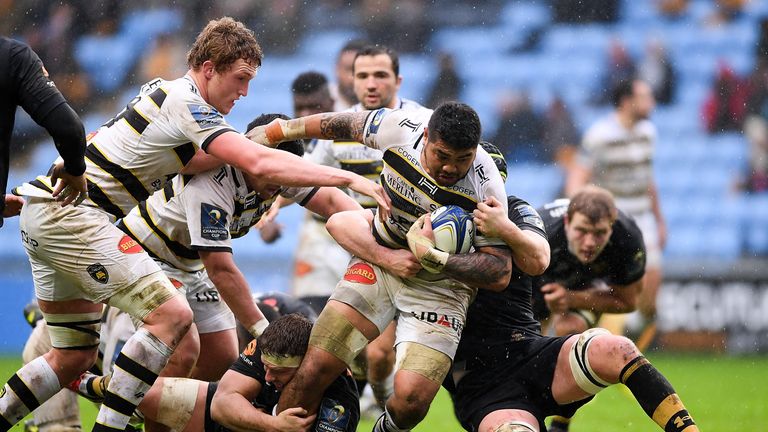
75,252
38,343
369,290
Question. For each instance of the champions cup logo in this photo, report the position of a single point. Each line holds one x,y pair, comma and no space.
360,273
128,245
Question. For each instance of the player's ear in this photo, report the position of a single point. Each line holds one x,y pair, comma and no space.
208,69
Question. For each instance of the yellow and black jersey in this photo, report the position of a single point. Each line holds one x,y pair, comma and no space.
204,212
399,134
356,157
135,153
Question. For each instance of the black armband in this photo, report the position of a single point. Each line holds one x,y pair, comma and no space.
68,134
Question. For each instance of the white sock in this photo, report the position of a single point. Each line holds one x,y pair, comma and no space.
19,398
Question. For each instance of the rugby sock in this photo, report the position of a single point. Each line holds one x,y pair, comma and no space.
32,385
136,369
559,424
385,424
656,396
90,386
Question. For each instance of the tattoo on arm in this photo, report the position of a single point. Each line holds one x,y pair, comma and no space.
343,125
480,269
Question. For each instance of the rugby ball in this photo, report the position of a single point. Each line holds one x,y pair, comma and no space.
453,228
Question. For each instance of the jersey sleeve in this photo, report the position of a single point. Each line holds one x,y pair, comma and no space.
385,128
209,206
196,120
492,185
299,195
525,216
37,94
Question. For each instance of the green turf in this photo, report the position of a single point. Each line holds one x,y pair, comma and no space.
722,393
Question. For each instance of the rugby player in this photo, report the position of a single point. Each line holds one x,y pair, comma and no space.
617,154
430,159
75,256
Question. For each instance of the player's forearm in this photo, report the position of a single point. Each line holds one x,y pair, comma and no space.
234,290
600,300
233,411
480,270
330,126
655,206
530,251
286,169
328,201
352,231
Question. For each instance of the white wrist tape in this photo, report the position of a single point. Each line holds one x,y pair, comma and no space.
258,328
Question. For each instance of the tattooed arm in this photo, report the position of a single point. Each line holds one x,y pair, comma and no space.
487,268
330,126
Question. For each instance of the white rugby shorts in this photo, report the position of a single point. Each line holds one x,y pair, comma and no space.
77,253
431,313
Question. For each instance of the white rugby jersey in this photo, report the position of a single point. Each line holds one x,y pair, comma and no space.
139,150
204,212
354,156
621,160
400,135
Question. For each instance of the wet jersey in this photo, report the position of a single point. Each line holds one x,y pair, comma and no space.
204,212
621,161
138,151
399,134
496,318
356,157
339,409
621,262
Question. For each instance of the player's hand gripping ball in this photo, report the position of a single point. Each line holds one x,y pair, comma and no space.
453,228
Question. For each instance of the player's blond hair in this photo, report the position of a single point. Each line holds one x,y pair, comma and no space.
595,203
223,42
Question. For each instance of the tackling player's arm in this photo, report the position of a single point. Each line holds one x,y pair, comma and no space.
284,168
352,230
327,126
234,289
328,201
201,162
530,251
231,407
610,299
488,267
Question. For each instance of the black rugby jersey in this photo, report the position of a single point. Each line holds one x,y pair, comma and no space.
621,262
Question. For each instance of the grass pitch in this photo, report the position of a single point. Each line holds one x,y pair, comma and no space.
722,393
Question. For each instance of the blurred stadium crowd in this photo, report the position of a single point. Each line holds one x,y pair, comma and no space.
537,72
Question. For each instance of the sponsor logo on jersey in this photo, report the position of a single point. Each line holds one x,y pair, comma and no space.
251,348
360,273
480,171
462,190
128,245
431,187
206,116
332,417
406,190
213,222
98,273
408,124
376,122
404,153
441,320
176,283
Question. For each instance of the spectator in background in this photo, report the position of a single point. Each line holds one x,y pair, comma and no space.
725,107
560,138
656,69
520,129
164,60
402,27
726,11
672,9
619,67
447,84
756,131
344,90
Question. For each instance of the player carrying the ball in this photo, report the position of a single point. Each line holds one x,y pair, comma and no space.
431,159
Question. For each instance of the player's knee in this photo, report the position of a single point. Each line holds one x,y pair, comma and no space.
609,354
409,407
72,362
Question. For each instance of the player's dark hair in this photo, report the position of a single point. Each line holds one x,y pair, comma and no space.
623,89
309,82
353,45
595,203
456,124
224,41
287,335
497,156
295,147
374,50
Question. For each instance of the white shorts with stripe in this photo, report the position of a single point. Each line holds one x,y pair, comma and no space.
211,313
430,313
77,253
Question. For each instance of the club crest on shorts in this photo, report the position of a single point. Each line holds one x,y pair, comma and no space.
98,273
128,245
360,273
